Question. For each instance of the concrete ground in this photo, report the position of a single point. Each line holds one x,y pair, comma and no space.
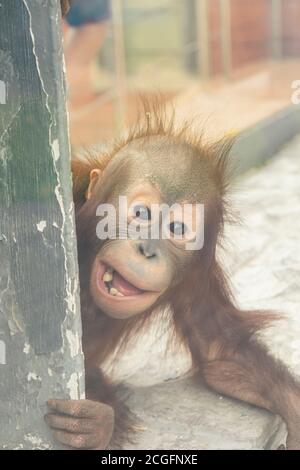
263,258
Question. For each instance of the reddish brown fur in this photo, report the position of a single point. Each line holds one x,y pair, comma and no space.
65,6
220,336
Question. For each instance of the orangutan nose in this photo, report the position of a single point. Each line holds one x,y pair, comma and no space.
148,248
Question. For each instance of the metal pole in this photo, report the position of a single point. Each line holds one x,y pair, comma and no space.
226,39
203,38
120,63
276,28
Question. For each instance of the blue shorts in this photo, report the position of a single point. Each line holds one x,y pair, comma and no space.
88,11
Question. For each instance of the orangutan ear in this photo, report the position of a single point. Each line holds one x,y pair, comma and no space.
94,178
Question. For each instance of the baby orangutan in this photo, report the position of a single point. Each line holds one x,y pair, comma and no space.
125,279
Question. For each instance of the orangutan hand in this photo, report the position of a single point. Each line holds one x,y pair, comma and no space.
81,424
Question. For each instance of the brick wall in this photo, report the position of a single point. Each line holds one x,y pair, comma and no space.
250,30
291,27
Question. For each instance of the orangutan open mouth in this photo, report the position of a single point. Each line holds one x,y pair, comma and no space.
115,284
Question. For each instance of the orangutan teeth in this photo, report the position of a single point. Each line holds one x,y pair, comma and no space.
113,291
108,277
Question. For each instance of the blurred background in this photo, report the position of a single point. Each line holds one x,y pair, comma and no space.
232,62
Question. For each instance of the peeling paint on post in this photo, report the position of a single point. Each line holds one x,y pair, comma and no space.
40,328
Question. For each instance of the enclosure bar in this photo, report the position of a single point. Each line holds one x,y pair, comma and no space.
226,38
276,29
120,63
203,38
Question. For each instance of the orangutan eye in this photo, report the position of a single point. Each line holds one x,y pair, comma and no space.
141,212
178,228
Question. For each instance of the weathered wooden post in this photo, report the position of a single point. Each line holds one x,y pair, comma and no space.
40,329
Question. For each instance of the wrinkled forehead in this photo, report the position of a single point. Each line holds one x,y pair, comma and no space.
173,167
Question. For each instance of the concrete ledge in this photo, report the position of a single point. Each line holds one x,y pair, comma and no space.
184,414
259,143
